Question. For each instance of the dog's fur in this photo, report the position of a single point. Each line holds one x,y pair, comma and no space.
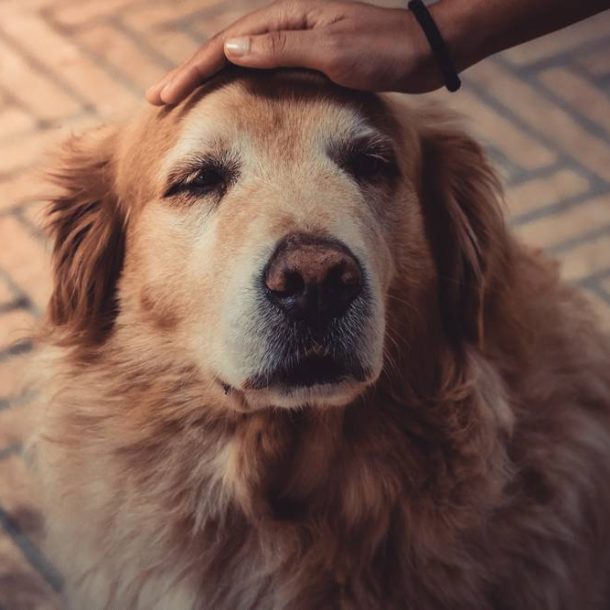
470,471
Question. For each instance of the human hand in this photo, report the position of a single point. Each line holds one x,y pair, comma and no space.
356,45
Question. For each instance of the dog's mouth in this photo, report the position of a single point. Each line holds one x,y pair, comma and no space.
306,373
318,378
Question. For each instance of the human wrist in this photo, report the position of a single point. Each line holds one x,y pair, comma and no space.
418,70
465,47
459,26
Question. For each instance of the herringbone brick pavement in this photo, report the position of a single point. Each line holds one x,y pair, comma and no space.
543,111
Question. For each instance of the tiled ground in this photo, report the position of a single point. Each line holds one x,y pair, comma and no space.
543,110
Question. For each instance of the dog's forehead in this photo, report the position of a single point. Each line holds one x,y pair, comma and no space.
277,116
280,114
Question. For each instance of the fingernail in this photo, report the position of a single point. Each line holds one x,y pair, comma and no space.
237,46
165,91
154,90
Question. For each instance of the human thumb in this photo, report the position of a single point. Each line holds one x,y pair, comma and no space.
292,48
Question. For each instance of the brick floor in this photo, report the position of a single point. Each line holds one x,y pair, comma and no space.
543,111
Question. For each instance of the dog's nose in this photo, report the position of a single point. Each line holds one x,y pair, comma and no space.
312,278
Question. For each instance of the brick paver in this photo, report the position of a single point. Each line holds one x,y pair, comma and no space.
542,110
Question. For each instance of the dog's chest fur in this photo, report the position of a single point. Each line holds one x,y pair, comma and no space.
385,504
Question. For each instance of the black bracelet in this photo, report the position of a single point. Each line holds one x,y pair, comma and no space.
437,44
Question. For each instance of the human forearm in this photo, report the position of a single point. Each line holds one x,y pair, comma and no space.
476,29
362,46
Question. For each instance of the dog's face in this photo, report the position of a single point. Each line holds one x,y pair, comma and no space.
254,233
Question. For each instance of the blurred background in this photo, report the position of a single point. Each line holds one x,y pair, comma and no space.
542,110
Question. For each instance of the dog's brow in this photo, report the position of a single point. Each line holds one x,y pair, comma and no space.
361,128
191,146
363,132
185,159
365,137
183,168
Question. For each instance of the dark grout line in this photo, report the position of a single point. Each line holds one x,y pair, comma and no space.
562,58
10,451
582,121
29,226
49,15
141,43
17,208
502,163
557,207
602,294
20,296
526,175
17,349
506,111
14,173
591,282
14,402
30,551
44,125
20,105
43,70
602,82
99,60
583,238
18,303
184,22
593,81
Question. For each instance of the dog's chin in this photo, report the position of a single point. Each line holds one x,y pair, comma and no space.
314,380
337,394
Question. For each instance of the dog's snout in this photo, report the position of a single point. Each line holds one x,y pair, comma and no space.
312,279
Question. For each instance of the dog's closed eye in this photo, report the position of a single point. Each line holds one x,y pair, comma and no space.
207,176
366,159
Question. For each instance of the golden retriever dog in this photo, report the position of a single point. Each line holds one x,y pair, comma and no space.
295,360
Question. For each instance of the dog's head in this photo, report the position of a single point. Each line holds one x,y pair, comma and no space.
268,231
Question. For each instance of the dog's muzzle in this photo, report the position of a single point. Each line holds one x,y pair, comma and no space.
314,303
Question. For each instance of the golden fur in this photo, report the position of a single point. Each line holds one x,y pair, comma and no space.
469,471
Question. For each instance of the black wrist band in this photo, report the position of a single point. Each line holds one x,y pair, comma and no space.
437,44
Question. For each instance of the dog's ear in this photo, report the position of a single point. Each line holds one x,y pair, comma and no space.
87,229
461,201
